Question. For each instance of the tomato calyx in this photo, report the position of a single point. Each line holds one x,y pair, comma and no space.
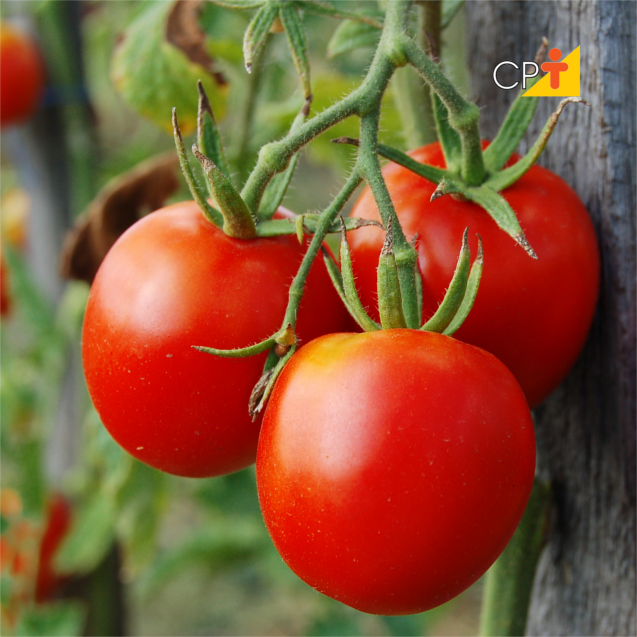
490,163
451,312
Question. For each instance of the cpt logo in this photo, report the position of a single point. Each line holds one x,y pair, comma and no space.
561,79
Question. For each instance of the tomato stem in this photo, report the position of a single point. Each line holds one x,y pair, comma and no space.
509,582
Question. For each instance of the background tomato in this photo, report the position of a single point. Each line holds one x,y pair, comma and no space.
58,525
533,315
171,281
394,466
22,77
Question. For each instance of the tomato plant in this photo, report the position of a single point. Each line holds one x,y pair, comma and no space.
173,281
534,315
394,466
22,78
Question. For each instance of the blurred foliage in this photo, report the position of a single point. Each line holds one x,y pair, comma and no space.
197,557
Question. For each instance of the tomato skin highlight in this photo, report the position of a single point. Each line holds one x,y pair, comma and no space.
394,466
173,281
533,315
22,77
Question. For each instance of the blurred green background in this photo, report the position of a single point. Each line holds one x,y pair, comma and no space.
144,553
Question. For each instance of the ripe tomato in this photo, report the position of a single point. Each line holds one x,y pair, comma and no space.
22,77
172,281
533,315
394,466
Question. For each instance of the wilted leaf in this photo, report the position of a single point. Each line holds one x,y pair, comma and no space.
183,31
158,61
118,206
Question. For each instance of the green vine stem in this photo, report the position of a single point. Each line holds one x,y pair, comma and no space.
509,582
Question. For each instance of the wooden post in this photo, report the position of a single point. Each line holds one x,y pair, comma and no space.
585,583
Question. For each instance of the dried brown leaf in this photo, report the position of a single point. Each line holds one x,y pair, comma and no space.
183,31
118,206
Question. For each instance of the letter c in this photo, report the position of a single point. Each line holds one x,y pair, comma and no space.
495,79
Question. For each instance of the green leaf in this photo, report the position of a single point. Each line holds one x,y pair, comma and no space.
449,10
351,35
298,45
91,536
65,619
142,501
257,32
154,76
218,547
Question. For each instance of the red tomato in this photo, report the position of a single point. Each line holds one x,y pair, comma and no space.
533,315
394,466
5,298
58,525
22,77
172,281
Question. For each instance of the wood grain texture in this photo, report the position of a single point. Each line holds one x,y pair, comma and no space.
586,430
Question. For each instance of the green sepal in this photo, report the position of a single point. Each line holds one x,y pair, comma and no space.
448,137
510,175
418,280
242,352
455,292
350,35
511,132
470,294
276,189
237,219
278,227
516,122
318,7
257,32
495,204
353,303
197,192
337,281
390,304
208,138
298,45
449,10
431,173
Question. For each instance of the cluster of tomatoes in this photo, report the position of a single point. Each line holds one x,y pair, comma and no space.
392,466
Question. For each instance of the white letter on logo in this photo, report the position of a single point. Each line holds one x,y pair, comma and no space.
525,75
495,79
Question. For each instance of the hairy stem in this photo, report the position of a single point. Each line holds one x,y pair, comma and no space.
463,115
